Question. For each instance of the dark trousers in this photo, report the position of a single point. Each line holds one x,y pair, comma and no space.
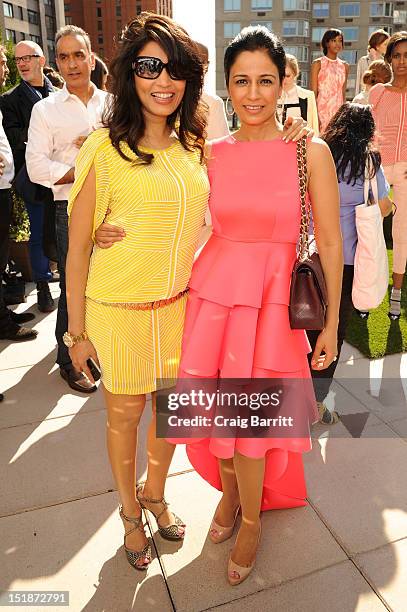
61,228
322,379
39,263
6,207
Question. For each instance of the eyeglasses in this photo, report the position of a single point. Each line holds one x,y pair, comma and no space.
25,58
150,68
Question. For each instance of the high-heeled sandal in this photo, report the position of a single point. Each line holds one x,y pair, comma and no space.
242,572
171,532
222,533
135,555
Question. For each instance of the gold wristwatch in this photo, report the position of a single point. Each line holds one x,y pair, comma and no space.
70,340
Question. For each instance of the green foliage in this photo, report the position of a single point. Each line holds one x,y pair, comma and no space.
20,223
13,77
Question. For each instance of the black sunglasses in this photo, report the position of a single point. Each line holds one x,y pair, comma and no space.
147,67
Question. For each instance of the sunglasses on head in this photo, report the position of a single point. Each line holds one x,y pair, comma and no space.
147,67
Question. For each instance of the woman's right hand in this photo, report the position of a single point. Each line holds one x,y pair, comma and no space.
106,235
80,353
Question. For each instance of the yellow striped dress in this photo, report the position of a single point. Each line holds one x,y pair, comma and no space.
161,207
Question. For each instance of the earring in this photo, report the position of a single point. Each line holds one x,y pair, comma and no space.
229,112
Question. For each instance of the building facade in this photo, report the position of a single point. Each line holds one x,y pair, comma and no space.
301,24
105,19
36,20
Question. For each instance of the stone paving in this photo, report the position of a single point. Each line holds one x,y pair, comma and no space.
60,529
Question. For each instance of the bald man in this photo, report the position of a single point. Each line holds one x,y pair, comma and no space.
16,106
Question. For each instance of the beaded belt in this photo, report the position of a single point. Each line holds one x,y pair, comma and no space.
150,305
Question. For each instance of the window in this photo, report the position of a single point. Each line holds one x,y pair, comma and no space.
68,20
388,29
11,35
118,11
51,50
295,28
8,10
262,5
231,29
351,83
20,13
50,22
67,7
100,26
35,38
381,9
32,17
231,5
349,55
320,9
100,40
349,9
301,53
304,79
98,12
315,55
296,5
350,34
266,24
317,34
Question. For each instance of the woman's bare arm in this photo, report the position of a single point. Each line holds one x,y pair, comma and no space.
315,68
324,195
77,267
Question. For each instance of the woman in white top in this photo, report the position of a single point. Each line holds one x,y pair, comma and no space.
378,72
375,50
296,101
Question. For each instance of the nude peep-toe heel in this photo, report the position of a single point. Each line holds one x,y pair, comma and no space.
218,533
242,572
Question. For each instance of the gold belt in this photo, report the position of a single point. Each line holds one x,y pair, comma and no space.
150,305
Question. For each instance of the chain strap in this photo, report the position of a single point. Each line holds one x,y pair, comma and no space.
305,212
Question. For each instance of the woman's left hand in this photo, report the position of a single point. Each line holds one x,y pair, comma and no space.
295,128
326,349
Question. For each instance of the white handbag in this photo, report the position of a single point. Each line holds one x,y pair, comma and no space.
371,267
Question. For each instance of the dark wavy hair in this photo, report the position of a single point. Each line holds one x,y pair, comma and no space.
254,38
123,115
330,35
349,135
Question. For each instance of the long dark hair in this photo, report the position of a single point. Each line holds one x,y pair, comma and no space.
100,70
124,116
349,135
254,38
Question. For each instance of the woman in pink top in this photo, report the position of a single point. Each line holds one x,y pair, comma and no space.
389,106
329,75
237,328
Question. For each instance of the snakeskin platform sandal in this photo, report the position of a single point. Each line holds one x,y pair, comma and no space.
171,532
134,556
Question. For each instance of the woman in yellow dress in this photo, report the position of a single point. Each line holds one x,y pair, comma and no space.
126,304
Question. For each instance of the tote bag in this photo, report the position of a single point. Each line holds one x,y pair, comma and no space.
371,268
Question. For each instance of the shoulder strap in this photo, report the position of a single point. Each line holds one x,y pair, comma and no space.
305,213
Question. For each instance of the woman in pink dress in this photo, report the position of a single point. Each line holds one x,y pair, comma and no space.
237,324
329,75
389,107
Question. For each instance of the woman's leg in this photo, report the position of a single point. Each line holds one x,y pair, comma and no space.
123,417
396,176
250,477
226,510
159,457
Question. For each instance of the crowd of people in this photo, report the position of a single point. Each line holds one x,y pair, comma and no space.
175,239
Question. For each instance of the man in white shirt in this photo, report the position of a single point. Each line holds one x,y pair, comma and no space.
9,321
59,125
217,125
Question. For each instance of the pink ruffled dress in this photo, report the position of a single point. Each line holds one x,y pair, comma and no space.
237,322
